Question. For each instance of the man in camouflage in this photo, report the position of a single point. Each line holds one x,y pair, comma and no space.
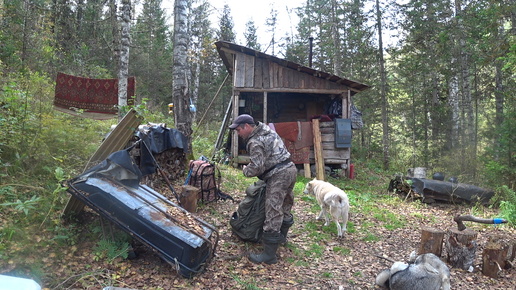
269,161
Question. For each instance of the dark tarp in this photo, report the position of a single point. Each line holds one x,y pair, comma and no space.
118,165
158,139
430,189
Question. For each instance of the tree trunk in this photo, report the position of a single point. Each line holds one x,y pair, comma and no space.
336,39
499,100
113,10
383,90
197,84
180,89
453,101
125,43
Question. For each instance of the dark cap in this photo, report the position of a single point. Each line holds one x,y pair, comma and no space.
242,119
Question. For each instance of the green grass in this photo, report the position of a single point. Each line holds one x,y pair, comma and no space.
249,284
342,251
369,237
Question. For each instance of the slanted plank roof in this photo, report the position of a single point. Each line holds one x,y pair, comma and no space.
229,53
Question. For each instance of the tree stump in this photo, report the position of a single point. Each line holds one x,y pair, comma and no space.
461,247
497,255
431,241
188,198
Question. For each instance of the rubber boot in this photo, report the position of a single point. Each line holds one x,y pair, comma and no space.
270,241
287,223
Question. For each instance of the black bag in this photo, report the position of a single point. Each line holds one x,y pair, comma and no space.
247,221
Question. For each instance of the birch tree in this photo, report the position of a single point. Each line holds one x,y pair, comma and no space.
125,43
180,88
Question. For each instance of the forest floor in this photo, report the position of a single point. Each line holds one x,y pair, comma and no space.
350,262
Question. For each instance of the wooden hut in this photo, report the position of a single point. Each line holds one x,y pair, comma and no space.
290,98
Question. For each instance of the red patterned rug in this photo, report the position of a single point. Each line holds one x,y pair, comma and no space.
96,98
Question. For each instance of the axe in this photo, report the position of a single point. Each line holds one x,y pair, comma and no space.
469,218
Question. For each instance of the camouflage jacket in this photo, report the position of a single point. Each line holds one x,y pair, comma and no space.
266,150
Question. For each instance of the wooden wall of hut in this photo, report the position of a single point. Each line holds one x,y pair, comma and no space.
261,73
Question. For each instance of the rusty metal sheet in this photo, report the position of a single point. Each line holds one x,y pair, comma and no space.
116,140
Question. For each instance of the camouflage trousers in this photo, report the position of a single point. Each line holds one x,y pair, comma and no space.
279,198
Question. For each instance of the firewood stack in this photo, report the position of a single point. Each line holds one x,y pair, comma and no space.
172,163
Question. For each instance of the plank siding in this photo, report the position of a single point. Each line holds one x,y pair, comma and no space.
266,84
258,73
249,71
239,70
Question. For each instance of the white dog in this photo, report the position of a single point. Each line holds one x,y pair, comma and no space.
331,199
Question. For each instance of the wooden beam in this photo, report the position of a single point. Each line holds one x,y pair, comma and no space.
308,172
265,99
291,90
234,136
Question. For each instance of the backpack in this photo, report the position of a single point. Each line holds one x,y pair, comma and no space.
202,176
247,221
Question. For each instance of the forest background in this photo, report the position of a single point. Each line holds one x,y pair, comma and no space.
442,94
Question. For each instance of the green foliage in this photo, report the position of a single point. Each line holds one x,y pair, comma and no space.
505,198
23,206
113,243
110,250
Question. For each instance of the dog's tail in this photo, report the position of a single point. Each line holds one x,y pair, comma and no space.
339,201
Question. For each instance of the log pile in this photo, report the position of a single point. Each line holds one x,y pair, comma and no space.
172,164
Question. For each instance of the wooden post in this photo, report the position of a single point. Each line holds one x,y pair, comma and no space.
461,247
265,112
318,151
188,197
234,135
431,241
308,172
